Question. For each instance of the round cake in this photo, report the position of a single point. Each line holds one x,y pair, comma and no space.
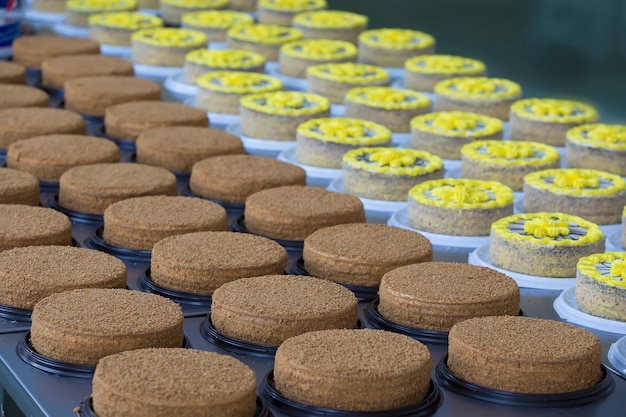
392,47
17,187
356,370
391,107
13,95
543,244
178,148
201,61
262,39
172,11
444,133
276,115
596,196
202,262
506,161
331,24
138,223
360,254
92,188
458,207
214,23
233,178
597,145
82,326
23,225
165,47
129,120
282,12
12,73
294,212
117,28
323,142
333,81
178,377
30,274
424,71
56,71
77,12
524,355
601,285
437,295
297,56
31,51
48,157
489,96
270,309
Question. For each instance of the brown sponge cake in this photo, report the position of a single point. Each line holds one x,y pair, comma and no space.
18,187
28,226
31,51
24,123
12,73
56,71
12,96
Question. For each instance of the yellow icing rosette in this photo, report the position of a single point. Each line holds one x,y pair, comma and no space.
444,64
330,19
221,19
196,4
511,153
225,58
554,111
608,268
264,34
478,87
237,82
284,103
348,72
345,131
126,20
388,38
459,193
292,5
457,123
599,135
577,182
396,161
170,37
319,49
388,98
100,5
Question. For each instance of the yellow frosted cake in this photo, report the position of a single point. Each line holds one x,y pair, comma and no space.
295,57
444,133
597,145
391,107
489,96
506,161
547,120
595,196
281,12
331,24
601,285
172,11
387,173
214,23
392,47
543,244
276,115
117,28
221,91
78,11
424,71
458,207
263,39
323,142
165,46
201,61
333,81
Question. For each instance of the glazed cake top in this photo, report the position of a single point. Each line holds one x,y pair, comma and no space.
576,182
388,98
457,124
330,19
478,88
346,131
125,20
225,58
598,135
609,268
394,161
510,153
459,193
554,111
170,37
444,65
219,19
389,38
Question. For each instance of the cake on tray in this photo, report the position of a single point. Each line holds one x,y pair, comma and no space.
424,71
172,11
331,24
262,39
390,47
165,47
31,51
117,28
12,73
601,285
23,225
297,56
14,95
333,81
77,12
597,145
202,61
17,187
214,23
282,12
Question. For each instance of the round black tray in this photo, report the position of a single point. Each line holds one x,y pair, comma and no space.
77,216
97,242
451,382
268,392
15,313
49,186
293,246
53,93
123,144
232,208
146,284
229,344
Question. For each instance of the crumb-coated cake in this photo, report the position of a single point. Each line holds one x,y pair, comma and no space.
276,115
297,56
353,369
437,295
24,123
17,187
360,254
334,80
82,326
524,355
596,196
262,39
127,384
387,173
117,28
269,309
48,157
282,12
233,178
506,161
391,107
12,73
172,11
128,120
331,24
601,285
489,96
165,47
294,212
13,95
31,51
77,12
221,91
138,223
93,95
424,71
444,133
202,262
392,47
201,61
458,207
323,142
92,188
23,225
214,23
30,274
178,148
56,71
597,145
543,244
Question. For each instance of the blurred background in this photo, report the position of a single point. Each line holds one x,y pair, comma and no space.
574,49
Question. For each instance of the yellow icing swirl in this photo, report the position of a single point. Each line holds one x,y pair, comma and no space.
237,82
216,19
290,103
349,73
126,20
264,34
510,152
170,37
554,111
459,193
444,64
396,39
616,277
546,226
388,98
225,58
478,87
96,5
576,182
456,123
319,49
394,161
345,131
292,5
599,135
330,19
196,4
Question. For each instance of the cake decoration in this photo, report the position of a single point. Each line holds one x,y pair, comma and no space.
264,34
345,131
318,49
608,268
126,20
349,72
579,182
554,111
169,37
97,5
291,5
601,285
478,87
388,98
457,123
226,58
462,194
510,153
286,103
330,19
396,39
394,160
216,18
599,135
444,64
235,82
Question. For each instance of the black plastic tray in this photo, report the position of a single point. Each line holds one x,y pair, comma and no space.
124,144
77,216
229,344
97,242
146,284
293,247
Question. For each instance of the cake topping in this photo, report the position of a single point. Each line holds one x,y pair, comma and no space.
398,161
196,4
225,58
456,123
313,49
266,34
580,182
546,226
330,19
388,98
95,5
216,18
396,39
348,72
170,37
510,152
462,194
444,64
292,5
345,131
554,111
599,135
286,103
608,268
478,87
126,20
236,82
